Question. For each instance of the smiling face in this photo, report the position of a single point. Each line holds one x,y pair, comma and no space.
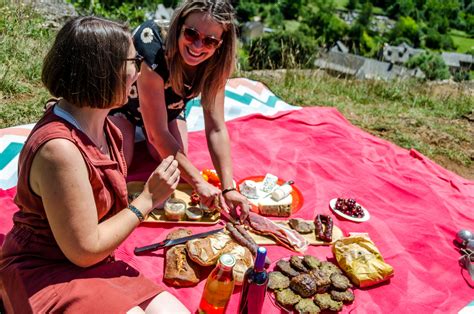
195,52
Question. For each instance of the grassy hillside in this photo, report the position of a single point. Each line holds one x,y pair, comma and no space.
428,117
463,42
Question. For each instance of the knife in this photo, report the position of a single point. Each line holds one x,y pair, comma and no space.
167,242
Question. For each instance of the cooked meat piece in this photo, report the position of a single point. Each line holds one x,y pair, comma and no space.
300,225
307,306
311,261
322,280
276,280
340,282
285,268
329,268
304,285
297,263
343,296
325,302
287,297
179,233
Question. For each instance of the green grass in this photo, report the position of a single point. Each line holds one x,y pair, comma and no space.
463,41
410,114
24,42
341,4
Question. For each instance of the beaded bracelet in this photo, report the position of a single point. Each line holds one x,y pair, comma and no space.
224,191
136,212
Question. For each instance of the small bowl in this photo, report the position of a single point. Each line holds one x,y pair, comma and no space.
175,209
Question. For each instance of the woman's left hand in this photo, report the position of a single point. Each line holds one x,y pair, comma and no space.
233,200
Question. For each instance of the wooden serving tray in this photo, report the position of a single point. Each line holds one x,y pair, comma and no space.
310,237
183,192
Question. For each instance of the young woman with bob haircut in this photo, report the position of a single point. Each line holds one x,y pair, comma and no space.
71,192
196,57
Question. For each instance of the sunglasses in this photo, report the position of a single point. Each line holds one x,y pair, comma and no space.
191,34
137,60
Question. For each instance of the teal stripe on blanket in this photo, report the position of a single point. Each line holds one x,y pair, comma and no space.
12,150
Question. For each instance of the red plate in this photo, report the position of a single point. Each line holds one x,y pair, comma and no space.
295,194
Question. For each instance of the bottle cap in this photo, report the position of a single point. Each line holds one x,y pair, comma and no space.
260,259
227,260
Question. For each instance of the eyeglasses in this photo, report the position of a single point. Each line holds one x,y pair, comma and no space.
137,60
191,34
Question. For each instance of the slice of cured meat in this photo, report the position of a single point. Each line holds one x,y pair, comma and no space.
285,236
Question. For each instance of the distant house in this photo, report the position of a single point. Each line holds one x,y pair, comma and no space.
363,68
458,61
399,54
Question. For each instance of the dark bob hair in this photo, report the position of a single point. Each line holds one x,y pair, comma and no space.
86,64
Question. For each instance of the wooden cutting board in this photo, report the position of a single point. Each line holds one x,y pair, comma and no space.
311,237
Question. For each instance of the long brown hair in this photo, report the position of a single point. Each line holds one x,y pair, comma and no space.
212,74
86,64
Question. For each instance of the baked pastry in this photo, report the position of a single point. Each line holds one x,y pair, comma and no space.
340,282
343,296
304,285
180,271
287,297
285,268
276,280
179,233
325,302
297,263
301,225
207,250
307,306
311,261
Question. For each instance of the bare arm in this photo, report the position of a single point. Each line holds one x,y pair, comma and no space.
59,176
219,148
155,118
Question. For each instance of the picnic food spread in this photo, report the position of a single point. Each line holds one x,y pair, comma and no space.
302,283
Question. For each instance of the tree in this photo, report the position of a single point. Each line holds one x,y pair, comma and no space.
406,28
290,8
282,49
402,8
352,5
319,21
441,14
431,64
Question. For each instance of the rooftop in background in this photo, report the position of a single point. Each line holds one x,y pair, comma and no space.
364,68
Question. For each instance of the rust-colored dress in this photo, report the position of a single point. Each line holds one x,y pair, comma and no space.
36,275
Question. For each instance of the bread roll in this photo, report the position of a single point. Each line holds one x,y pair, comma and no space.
180,271
206,251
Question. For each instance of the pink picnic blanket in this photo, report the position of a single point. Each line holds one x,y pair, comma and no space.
416,206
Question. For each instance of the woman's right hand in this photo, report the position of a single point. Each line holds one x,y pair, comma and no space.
208,193
163,181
